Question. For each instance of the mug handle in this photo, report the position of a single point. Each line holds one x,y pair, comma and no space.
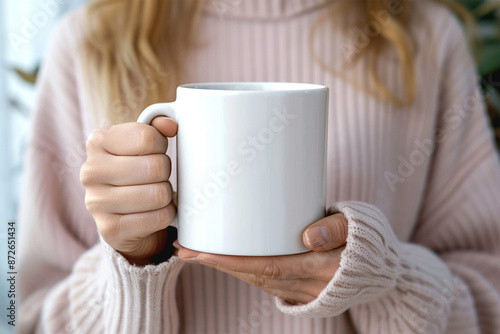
158,109
147,116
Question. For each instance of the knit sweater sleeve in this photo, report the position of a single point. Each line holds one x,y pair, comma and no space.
445,280
70,281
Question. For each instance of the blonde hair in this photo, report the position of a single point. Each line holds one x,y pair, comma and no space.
394,33
134,51
127,46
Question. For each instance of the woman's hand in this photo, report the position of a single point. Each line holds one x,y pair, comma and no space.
127,189
296,278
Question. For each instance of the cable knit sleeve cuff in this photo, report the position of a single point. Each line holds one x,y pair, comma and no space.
385,277
141,299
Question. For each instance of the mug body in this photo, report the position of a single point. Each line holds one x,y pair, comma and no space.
251,166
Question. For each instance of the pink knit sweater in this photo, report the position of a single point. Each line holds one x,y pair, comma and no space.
420,188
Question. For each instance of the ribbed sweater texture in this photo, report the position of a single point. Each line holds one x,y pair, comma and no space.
419,185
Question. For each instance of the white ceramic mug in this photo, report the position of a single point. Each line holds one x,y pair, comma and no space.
250,164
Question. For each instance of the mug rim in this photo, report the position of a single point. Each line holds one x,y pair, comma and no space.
253,86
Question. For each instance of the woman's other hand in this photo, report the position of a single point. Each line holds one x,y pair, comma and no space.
298,278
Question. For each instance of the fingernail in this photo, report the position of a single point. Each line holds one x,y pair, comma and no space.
317,236
176,244
191,260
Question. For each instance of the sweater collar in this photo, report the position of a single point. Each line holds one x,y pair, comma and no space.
262,9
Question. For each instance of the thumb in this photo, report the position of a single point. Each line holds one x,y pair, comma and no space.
326,234
166,126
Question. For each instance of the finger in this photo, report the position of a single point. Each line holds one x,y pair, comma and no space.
327,233
174,198
135,226
127,170
297,290
292,297
130,139
166,126
186,254
309,286
130,199
306,265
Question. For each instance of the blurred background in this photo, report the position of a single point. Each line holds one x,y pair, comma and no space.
25,26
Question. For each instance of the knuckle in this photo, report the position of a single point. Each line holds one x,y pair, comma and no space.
85,174
258,281
109,227
94,140
160,194
155,167
166,215
146,139
90,202
272,270
311,263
